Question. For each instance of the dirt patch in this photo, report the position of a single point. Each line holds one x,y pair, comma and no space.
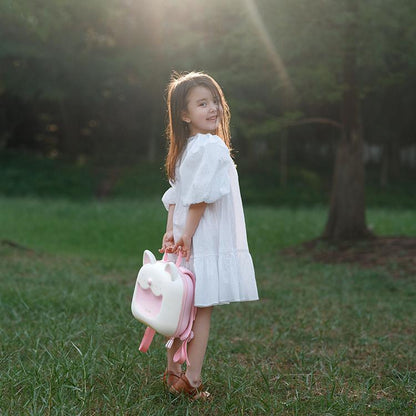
396,254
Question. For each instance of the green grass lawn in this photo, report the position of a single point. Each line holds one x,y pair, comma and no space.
323,339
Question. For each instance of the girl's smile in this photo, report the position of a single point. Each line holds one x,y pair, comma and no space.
203,112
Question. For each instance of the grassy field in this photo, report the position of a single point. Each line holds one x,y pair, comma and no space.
323,339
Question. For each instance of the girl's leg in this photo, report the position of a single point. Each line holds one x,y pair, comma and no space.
175,368
198,346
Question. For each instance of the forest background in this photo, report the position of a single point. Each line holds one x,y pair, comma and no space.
82,88
322,96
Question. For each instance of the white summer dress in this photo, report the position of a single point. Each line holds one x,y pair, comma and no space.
220,258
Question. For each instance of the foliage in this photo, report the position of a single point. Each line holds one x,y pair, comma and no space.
91,75
24,175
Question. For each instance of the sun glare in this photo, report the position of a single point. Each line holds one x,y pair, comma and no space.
274,56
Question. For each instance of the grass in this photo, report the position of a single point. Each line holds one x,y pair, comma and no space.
323,339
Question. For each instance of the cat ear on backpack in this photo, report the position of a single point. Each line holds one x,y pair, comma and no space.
173,271
148,257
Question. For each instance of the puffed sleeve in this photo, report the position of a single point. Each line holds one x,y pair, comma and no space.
169,197
205,171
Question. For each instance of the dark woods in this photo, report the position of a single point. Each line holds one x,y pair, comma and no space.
84,82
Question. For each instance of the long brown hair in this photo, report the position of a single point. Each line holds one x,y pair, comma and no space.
177,131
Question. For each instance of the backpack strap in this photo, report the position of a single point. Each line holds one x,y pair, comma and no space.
182,354
147,339
178,258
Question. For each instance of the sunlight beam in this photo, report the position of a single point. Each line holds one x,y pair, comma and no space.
274,56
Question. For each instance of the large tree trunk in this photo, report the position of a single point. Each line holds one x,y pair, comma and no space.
346,218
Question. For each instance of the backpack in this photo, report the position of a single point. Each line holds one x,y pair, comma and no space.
163,299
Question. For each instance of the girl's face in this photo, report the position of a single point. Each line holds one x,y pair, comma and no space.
203,113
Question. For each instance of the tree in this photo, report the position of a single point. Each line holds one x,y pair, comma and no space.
346,218
87,79
335,53
364,42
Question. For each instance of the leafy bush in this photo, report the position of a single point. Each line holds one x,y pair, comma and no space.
28,175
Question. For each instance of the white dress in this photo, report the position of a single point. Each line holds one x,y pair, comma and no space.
220,258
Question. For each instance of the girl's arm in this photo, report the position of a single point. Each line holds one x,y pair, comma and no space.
167,240
192,220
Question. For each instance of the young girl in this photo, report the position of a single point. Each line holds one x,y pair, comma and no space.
205,214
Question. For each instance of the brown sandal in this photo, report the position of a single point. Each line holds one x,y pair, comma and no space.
170,378
184,386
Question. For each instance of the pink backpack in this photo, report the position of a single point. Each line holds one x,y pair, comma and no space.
163,299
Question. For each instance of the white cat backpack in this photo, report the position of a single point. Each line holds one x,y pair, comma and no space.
163,299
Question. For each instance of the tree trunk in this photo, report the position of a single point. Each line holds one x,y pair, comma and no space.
390,162
346,218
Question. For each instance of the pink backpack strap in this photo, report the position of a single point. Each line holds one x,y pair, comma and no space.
147,339
182,354
178,258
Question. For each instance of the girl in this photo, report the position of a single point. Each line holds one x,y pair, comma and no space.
205,214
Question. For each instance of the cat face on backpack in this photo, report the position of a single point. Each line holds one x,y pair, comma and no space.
163,299
158,282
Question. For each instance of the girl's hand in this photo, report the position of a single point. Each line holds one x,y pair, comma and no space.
183,245
168,243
